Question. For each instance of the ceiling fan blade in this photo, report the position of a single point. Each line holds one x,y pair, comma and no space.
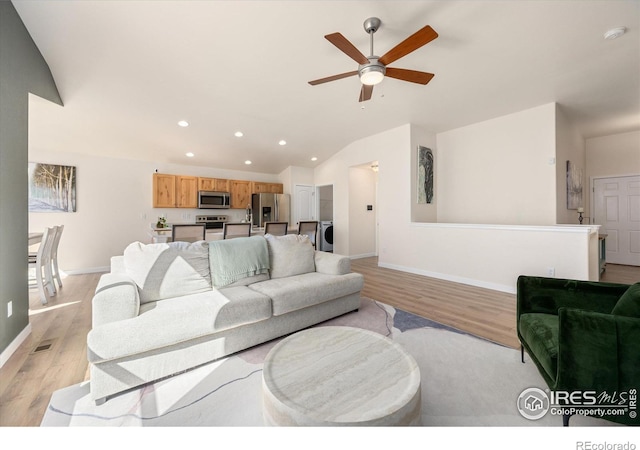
413,42
333,78
409,75
365,93
347,47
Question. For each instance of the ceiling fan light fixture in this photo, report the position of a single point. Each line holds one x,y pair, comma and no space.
615,33
372,74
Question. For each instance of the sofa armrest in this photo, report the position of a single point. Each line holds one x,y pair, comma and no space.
332,264
116,298
548,295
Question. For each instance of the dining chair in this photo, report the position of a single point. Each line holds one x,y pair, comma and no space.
42,263
310,228
55,271
276,228
188,232
235,230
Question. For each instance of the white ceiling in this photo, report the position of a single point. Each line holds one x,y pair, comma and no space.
128,71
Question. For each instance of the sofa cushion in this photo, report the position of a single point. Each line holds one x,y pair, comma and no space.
168,270
179,319
540,332
629,303
299,291
290,255
232,260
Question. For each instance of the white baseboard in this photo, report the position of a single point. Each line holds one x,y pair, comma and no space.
455,279
87,270
364,255
13,346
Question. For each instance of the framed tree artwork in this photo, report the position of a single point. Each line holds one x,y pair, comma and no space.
52,188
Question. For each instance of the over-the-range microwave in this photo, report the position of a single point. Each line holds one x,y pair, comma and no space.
214,200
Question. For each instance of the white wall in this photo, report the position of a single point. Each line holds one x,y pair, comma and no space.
389,148
114,206
611,156
362,222
569,147
293,175
499,171
490,256
614,155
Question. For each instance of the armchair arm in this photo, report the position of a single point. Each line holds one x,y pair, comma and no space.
116,298
332,264
548,295
599,352
587,351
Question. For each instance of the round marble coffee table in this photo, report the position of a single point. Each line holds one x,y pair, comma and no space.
340,376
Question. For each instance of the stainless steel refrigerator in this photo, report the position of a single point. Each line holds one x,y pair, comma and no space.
270,208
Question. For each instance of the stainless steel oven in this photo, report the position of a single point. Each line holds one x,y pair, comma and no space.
212,222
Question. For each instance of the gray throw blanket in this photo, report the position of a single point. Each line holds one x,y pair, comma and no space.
234,259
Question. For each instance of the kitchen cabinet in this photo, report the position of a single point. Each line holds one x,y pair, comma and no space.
213,184
164,190
240,191
181,191
259,187
186,191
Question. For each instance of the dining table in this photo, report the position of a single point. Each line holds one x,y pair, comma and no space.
35,238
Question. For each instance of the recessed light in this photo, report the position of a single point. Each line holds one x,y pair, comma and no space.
183,123
314,159
190,155
282,142
247,162
238,134
615,33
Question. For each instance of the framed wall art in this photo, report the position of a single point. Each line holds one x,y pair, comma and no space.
52,188
574,186
425,175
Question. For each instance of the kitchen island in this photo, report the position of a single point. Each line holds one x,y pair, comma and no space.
160,235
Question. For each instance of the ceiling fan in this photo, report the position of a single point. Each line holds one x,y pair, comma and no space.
373,69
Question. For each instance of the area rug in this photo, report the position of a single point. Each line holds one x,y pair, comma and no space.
466,381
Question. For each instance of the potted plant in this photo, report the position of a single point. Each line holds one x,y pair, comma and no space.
161,223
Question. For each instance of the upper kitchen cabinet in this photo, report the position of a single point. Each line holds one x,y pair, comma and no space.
213,184
240,193
164,191
186,191
267,188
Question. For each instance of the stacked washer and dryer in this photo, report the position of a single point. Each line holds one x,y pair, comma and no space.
325,237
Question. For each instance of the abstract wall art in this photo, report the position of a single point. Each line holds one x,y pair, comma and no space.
574,186
425,175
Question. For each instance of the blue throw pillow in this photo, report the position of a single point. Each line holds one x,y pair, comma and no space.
629,304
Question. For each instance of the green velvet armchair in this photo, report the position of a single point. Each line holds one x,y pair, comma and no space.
583,336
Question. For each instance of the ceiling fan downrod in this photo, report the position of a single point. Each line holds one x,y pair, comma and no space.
371,25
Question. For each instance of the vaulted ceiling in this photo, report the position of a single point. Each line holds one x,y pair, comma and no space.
128,71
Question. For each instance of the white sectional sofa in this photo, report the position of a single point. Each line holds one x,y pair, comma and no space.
166,308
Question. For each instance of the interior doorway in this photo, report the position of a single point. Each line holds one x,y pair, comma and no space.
324,196
616,208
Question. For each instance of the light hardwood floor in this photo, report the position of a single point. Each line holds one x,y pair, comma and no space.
29,378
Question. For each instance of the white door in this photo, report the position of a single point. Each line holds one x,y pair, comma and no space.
616,207
303,203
